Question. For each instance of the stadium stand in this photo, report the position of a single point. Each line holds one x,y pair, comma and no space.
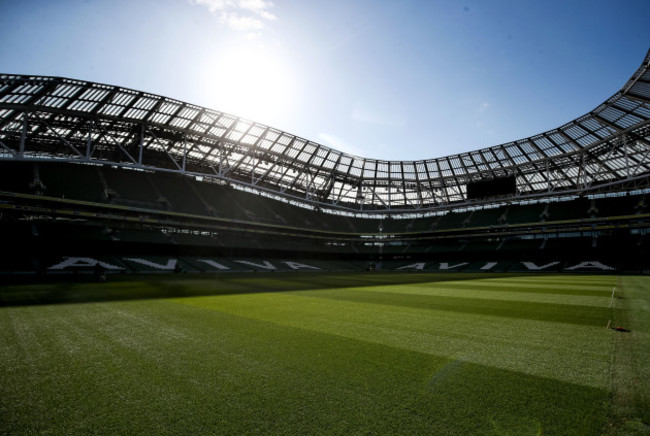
215,193
249,224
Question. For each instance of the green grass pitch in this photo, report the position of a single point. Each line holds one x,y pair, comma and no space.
330,354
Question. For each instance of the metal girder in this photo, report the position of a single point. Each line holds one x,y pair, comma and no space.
51,117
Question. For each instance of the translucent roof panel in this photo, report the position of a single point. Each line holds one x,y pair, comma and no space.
70,119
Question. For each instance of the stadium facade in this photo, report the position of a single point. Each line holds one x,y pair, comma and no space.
93,174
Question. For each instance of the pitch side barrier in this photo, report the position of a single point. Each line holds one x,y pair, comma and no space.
178,265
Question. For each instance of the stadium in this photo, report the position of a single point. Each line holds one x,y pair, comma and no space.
521,257
106,171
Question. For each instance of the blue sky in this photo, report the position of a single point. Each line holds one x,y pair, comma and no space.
395,80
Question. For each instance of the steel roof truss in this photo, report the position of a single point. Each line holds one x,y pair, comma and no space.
57,134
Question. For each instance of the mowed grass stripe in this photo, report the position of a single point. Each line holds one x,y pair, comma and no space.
496,292
550,312
128,287
224,374
578,354
245,358
540,285
152,367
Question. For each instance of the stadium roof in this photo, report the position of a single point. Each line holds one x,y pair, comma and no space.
605,150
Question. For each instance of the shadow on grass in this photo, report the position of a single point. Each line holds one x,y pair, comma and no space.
70,289
554,312
258,377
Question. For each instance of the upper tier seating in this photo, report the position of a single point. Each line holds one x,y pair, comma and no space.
177,193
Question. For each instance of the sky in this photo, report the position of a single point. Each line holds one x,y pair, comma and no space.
391,80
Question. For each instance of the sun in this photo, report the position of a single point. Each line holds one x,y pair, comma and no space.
251,80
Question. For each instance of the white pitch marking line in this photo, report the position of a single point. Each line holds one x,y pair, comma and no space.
611,301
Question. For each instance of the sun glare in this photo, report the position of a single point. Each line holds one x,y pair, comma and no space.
249,80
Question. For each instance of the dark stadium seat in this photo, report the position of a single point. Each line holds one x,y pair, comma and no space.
222,201
454,220
17,177
99,211
78,182
526,213
178,192
568,210
131,187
